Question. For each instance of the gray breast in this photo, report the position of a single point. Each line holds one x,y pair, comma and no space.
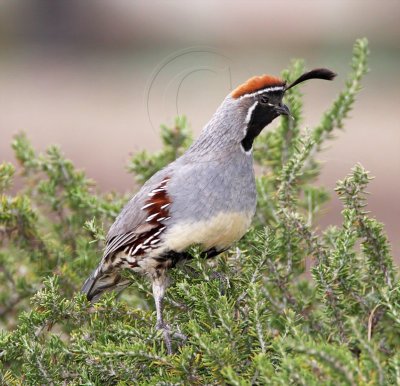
202,189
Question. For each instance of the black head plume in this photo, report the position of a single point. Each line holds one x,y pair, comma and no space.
317,73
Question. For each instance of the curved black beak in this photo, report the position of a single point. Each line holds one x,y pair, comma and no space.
282,110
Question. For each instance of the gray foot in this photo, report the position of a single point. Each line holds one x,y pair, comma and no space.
167,335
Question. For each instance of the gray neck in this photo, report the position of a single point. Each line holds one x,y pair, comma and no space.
222,134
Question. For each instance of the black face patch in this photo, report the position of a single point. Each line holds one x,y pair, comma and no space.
262,115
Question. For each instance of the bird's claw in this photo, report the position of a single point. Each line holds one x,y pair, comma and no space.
167,334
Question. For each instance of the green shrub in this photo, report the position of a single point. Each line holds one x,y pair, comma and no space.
251,316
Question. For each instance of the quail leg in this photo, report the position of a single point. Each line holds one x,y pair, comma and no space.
159,288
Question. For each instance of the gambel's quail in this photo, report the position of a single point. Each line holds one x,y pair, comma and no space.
207,197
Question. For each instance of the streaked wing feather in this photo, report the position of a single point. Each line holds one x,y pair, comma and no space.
152,213
119,242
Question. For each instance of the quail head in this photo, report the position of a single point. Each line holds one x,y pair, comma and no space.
207,197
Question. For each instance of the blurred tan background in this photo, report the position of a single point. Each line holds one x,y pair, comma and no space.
98,77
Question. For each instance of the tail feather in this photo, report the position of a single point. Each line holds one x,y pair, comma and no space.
99,282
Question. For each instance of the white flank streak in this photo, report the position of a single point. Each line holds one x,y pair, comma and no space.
165,180
136,249
157,233
151,217
158,190
147,205
147,240
165,206
155,241
160,219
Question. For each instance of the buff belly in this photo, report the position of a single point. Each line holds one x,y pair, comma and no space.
218,232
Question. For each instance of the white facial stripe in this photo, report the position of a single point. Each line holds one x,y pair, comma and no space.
246,123
275,88
250,112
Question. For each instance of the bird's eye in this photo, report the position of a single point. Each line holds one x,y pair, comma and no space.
264,99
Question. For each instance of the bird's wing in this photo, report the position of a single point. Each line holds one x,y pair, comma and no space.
139,225
136,231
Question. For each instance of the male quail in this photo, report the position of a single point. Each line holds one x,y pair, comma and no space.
206,197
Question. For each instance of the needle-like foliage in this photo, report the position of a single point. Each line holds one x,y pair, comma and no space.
253,316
